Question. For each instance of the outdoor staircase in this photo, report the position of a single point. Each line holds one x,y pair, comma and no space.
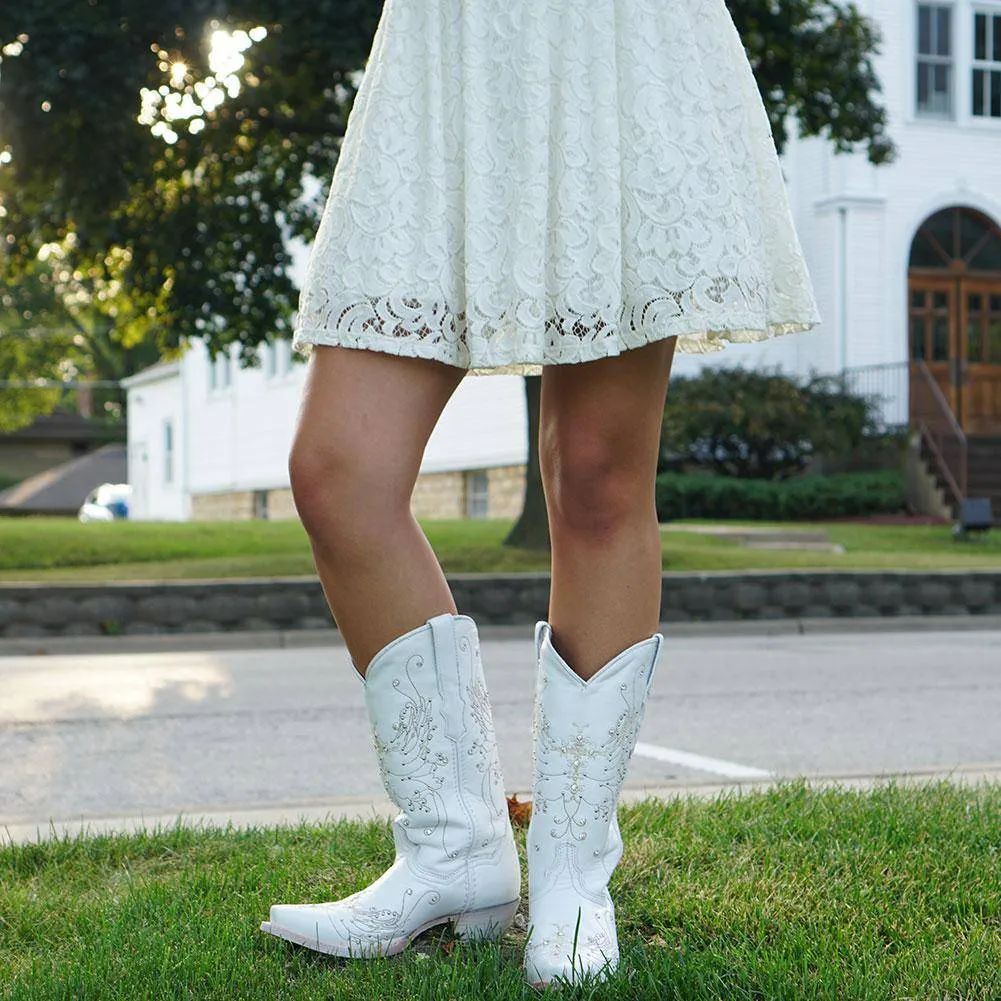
983,470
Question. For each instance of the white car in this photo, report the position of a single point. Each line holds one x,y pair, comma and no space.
108,502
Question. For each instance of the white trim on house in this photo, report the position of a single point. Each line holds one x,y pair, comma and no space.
155,373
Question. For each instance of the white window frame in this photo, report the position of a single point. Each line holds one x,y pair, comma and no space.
988,65
270,360
168,451
220,371
283,356
933,59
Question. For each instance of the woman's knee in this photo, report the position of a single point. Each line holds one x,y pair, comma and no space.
339,487
595,480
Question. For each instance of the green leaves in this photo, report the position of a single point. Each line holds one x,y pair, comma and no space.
761,425
813,60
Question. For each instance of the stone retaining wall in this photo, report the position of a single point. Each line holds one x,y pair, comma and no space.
28,610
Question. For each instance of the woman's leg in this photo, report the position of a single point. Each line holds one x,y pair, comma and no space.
600,428
364,421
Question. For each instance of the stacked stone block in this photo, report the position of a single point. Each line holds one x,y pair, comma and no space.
28,610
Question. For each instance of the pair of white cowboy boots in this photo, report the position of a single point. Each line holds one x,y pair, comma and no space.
455,855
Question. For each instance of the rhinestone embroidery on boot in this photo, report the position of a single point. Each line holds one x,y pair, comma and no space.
594,772
409,767
583,740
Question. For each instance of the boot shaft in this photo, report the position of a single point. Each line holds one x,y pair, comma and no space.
584,733
433,731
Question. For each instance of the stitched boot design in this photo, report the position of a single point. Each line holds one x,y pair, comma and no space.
584,735
455,856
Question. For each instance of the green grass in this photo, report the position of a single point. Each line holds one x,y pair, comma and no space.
42,549
784,895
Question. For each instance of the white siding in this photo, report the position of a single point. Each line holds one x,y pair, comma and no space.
939,164
241,433
151,405
482,426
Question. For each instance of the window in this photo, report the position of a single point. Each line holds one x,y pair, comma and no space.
261,505
269,353
935,60
168,452
220,371
986,65
477,493
283,357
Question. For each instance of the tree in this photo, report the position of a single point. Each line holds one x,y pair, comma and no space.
68,327
124,126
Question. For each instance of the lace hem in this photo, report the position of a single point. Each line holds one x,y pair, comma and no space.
693,338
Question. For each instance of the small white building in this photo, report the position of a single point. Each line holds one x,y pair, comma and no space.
209,440
905,259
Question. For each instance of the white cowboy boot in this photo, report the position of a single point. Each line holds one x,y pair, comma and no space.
584,735
455,855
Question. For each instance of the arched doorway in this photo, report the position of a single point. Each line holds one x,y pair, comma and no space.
954,296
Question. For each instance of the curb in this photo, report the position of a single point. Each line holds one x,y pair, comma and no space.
380,809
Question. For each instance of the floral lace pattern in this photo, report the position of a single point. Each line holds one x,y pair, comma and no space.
525,182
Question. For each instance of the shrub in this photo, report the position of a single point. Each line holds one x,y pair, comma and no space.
806,498
762,425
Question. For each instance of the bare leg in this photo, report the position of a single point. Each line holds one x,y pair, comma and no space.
599,435
364,421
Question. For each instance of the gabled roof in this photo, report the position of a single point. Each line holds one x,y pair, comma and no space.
62,489
155,373
60,426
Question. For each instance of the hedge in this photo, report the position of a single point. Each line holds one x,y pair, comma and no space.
804,498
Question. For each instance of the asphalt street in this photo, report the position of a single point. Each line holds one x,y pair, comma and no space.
115,739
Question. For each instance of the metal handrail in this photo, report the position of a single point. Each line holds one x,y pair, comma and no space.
943,466
957,480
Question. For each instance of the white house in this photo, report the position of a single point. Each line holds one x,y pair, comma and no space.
906,263
207,439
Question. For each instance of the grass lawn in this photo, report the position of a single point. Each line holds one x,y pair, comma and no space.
42,549
788,894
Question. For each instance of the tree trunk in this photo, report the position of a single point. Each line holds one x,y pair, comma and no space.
531,530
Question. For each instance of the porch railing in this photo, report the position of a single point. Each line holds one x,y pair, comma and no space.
886,386
907,394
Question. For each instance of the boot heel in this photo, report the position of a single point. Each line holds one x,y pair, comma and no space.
486,925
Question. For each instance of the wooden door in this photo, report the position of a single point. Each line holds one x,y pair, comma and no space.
934,336
980,384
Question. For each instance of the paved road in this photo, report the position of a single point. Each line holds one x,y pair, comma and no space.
264,733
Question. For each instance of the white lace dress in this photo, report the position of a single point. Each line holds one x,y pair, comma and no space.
528,182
